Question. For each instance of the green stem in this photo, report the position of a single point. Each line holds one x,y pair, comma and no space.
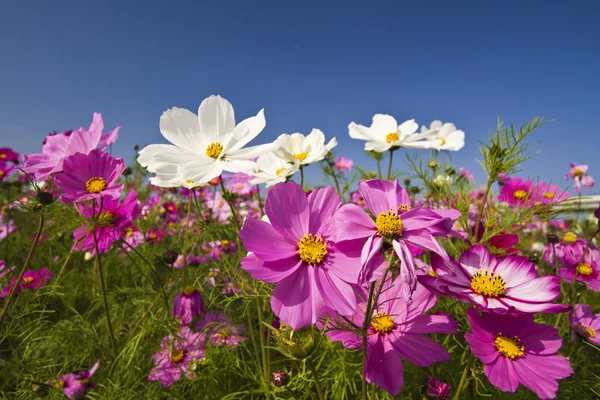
302,177
334,175
378,168
263,349
389,176
231,207
260,202
13,290
365,327
315,375
463,378
481,209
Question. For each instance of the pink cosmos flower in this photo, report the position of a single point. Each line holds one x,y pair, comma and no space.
191,260
549,194
398,329
6,227
585,323
516,350
31,280
154,235
188,305
90,176
240,184
219,208
356,198
133,237
504,284
396,222
503,178
437,389
5,169
75,385
580,177
517,192
466,174
8,155
588,271
4,270
114,221
179,354
296,250
170,208
58,147
567,252
220,331
343,164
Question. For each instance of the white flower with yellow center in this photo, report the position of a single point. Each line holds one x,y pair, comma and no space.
385,134
303,150
444,136
272,170
202,146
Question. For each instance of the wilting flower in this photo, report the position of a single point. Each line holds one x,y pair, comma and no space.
220,331
179,354
444,136
516,350
343,164
303,150
113,223
90,176
494,283
75,386
397,330
272,170
8,155
188,305
385,134
585,323
396,222
586,270
549,194
580,177
517,192
437,389
203,146
311,270
58,147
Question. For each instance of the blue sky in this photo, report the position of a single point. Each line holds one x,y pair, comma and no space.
309,65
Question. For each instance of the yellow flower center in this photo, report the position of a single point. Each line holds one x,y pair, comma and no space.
225,242
549,195
301,156
85,381
311,249
589,330
239,187
509,347
404,207
177,355
3,155
214,150
520,194
432,164
570,238
488,284
442,139
578,173
221,204
382,323
341,165
27,280
223,334
389,224
584,269
392,137
189,290
171,224
106,218
129,232
95,184
432,273
152,235
189,181
59,384
279,171
1,172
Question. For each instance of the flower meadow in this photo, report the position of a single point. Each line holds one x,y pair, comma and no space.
199,269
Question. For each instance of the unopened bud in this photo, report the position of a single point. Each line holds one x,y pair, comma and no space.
170,257
44,198
127,171
280,378
136,147
534,258
552,238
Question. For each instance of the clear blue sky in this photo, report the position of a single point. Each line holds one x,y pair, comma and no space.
308,64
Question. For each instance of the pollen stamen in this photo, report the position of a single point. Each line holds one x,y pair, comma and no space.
311,249
382,322
509,347
95,184
214,150
488,284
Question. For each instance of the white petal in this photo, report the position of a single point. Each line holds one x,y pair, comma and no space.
180,127
332,143
247,130
199,171
250,152
148,152
216,118
408,127
384,124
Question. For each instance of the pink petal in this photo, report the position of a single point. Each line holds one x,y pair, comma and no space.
287,209
296,299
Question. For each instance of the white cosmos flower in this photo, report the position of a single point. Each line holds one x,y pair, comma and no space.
303,150
444,136
385,133
272,170
202,146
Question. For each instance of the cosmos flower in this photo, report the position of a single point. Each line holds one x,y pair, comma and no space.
241,184
154,235
303,150
385,134
466,174
75,386
5,169
517,192
398,329
61,146
585,323
397,223
179,354
549,194
32,280
220,331
444,136
272,170
311,270
586,270
90,176
566,252
187,305
343,164
8,155
580,177
170,208
114,223
133,237
203,146
504,284
516,350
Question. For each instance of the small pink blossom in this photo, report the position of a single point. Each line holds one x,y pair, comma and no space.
343,164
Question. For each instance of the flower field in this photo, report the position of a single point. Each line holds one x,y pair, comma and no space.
205,267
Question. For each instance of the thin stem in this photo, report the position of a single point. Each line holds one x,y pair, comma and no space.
366,323
260,202
302,177
481,209
461,384
378,168
334,175
231,206
13,290
263,349
389,176
315,375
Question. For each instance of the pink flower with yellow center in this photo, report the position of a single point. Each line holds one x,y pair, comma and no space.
517,192
580,177
585,323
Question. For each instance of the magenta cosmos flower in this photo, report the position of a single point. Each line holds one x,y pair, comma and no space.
567,252
549,194
343,164
587,271
220,331
517,192
187,305
179,354
114,221
585,323
395,222
5,169
58,147
296,251
32,280
516,350
8,155
580,177
90,176
507,283
398,329
74,386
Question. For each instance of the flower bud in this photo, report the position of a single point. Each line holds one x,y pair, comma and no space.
433,164
127,171
534,258
44,198
552,238
136,147
170,257
298,344
437,389
280,378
